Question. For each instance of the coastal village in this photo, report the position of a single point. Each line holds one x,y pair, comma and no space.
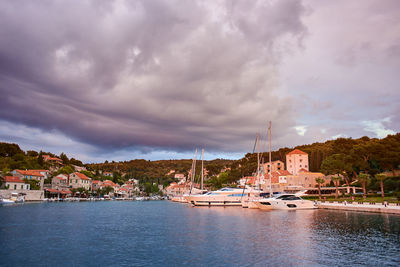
294,178
78,183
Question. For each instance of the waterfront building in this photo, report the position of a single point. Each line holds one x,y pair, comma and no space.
175,189
15,183
77,180
109,183
96,184
60,182
296,160
38,175
306,179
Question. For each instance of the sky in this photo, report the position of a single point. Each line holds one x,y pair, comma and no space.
154,79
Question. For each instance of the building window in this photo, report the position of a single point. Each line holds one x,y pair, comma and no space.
15,186
301,160
22,186
305,166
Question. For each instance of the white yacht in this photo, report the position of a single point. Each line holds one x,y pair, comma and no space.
285,202
223,197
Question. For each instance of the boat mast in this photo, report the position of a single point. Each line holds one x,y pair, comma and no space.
258,159
202,168
270,164
193,171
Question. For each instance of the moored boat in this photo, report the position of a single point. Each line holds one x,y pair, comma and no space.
15,198
223,197
285,202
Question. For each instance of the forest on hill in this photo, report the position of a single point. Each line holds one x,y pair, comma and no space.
345,156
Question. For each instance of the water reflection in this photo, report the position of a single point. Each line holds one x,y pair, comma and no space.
173,234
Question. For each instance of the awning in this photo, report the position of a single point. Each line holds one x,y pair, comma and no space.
52,190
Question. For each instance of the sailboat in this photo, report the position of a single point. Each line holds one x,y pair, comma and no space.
193,190
248,200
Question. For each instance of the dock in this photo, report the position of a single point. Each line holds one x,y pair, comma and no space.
392,208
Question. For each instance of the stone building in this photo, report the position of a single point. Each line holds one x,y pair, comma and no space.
296,160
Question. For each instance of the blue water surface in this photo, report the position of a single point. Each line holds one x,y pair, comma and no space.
162,233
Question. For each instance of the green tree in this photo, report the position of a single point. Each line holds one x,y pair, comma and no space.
40,159
64,158
337,164
35,185
32,153
68,169
319,181
381,178
81,190
336,179
73,190
364,178
108,190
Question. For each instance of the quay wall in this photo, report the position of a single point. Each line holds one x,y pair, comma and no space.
379,207
31,195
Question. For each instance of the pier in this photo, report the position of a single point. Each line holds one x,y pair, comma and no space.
393,208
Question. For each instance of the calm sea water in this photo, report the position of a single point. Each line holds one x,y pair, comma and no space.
161,233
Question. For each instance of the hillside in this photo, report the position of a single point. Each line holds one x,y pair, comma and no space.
370,155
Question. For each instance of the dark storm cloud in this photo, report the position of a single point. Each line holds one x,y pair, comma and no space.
147,74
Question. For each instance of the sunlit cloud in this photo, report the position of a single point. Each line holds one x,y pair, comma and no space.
378,127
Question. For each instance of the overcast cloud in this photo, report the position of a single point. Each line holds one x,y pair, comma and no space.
154,79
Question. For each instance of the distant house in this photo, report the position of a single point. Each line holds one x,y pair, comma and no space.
296,160
175,189
15,183
276,165
79,168
181,177
77,180
108,174
38,175
111,184
52,159
248,180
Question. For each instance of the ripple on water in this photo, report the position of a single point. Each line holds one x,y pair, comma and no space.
171,234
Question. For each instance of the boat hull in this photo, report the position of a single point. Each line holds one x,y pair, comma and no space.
215,201
293,205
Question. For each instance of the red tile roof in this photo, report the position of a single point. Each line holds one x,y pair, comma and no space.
30,172
13,179
297,151
109,183
96,182
82,176
303,170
